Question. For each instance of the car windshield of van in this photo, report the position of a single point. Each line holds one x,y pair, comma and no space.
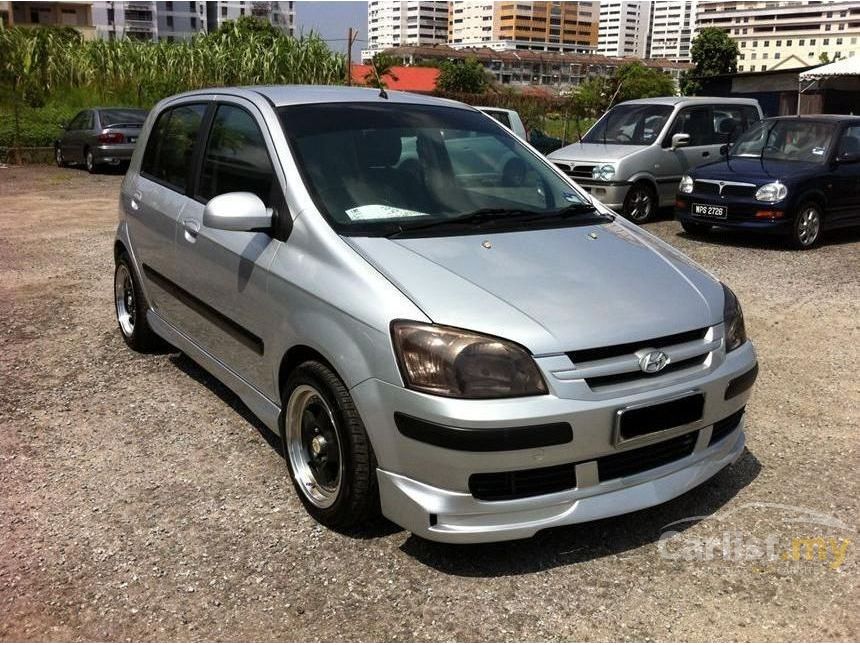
630,125
120,117
388,168
787,140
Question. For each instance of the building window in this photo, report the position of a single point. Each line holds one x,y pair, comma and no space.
191,7
776,55
194,23
223,12
826,41
168,6
169,21
779,43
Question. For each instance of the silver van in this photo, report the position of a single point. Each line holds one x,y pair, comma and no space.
436,321
633,158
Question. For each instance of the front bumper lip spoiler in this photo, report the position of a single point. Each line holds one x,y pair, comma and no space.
454,517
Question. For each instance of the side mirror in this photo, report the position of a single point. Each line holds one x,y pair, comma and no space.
237,212
680,141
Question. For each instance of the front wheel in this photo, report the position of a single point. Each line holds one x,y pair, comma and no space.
806,229
327,450
58,157
640,203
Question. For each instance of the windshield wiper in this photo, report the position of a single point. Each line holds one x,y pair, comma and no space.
485,216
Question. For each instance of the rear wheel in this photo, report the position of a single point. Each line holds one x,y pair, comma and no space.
90,161
640,205
806,229
696,228
131,308
327,450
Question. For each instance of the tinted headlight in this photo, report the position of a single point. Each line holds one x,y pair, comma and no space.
453,362
686,185
603,172
733,318
773,192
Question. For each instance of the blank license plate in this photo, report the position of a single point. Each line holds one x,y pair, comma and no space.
706,210
635,422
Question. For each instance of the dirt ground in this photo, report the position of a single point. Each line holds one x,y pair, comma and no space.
140,500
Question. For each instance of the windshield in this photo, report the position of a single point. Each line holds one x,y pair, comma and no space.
374,168
786,140
110,118
630,125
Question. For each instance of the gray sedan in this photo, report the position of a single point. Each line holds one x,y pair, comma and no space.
99,136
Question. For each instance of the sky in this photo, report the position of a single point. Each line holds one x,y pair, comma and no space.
332,20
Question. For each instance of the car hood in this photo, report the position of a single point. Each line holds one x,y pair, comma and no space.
551,290
593,152
754,170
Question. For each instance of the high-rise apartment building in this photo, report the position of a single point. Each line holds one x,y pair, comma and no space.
392,23
624,26
673,27
77,15
155,20
541,26
786,34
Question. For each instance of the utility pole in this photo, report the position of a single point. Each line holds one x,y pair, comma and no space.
352,34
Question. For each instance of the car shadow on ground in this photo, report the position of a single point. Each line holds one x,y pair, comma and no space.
548,549
578,543
741,239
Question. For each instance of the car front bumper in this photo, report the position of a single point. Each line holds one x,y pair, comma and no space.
746,215
611,194
425,488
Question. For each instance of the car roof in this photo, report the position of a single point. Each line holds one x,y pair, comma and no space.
281,95
690,100
836,118
495,109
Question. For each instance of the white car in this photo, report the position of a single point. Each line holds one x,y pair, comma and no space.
508,118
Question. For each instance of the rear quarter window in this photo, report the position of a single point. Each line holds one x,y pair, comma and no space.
170,148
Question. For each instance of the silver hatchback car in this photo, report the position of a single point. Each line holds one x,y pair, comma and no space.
438,323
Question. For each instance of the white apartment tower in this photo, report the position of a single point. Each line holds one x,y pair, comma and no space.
624,26
392,23
673,27
781,34
156,20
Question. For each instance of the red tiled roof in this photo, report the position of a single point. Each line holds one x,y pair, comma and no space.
408,79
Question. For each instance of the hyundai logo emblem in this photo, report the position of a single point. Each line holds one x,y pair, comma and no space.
652,361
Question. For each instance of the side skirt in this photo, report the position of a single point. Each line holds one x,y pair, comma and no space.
263,408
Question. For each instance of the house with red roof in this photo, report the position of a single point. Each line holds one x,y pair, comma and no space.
406,79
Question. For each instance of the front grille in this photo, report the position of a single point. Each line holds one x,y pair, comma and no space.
617,379
580,171
599,353
725,427
517,484
729,190
638,460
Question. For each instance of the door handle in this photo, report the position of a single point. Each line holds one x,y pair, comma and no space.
192,228
135,200
706,153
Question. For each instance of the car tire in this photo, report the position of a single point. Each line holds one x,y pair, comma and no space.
58,157
131,307
695,228
90,162
640,204
327,450
806,227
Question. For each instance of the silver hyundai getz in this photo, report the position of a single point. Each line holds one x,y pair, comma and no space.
439,323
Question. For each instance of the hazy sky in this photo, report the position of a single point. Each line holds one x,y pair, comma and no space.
331,20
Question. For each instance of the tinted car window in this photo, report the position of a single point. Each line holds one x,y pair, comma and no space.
236,158
635,125
698,123
78,122
732,120
110,118
501,117
849,143
787,140
171,145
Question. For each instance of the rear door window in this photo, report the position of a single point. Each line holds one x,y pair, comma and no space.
236,158
78,122
170,149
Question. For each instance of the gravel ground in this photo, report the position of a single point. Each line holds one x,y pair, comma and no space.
140,500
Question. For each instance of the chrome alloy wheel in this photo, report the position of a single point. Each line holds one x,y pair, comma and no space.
126,307
808,225
313,446
90,161
58,156
640,205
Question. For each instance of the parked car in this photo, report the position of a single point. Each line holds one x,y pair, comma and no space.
544,142
797,176
634,156
508,118
99,136
477,357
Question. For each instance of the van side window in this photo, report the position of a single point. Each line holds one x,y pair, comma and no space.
170,148
730,121
698,123
236,158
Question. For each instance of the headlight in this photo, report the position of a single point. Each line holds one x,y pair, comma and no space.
773,192
453,362
686,184
733,318
603,173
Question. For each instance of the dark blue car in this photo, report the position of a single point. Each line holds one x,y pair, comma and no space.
797,176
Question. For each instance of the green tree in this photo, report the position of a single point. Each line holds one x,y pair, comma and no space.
467,76
380,66
637,81
713,52
824,58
